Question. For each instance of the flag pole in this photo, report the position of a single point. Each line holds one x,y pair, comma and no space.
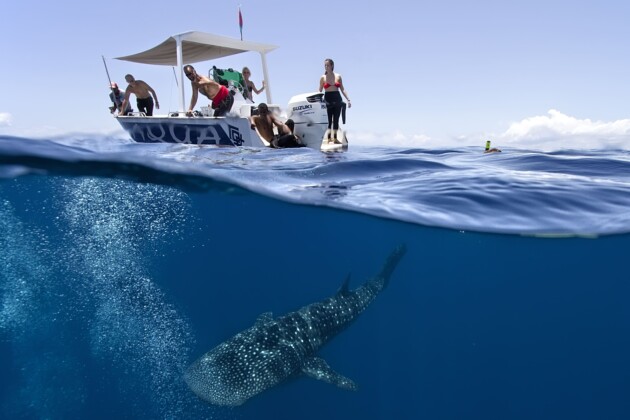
240,21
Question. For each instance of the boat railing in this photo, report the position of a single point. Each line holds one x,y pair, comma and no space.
133,114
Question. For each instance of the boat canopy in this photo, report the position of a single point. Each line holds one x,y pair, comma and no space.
193,47
196,46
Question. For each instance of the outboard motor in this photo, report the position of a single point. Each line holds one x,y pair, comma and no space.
308,111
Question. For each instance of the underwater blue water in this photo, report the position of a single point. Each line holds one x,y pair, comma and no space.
122,263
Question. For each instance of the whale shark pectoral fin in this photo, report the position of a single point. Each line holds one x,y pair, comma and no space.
264,318
345,287
317,368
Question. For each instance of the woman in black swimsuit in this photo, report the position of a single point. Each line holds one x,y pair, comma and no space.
332,84
250,86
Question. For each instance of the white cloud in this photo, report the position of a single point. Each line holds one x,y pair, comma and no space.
5,119
557,131
553,131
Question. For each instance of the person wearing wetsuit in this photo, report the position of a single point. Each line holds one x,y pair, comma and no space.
332,85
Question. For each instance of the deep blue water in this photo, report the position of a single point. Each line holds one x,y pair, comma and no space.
122,263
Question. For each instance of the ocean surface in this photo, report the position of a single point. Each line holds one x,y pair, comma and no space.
122,263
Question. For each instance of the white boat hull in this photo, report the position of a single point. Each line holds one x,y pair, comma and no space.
220,131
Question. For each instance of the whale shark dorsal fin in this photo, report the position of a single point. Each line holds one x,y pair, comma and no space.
264,318
317,368
345,287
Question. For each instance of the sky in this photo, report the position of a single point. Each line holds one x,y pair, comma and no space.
530,74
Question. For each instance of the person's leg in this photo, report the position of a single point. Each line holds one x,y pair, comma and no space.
336,115
221,110
284,140
329,112
333,110
140,104
335,123
149,107
225,106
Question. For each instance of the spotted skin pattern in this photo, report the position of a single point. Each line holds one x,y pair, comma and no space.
274,350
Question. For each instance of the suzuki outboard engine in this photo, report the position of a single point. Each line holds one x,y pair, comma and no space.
308,111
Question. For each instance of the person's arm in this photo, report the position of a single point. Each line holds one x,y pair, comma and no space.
258,90
321,83
150,89
193,99
121,110
282,128
343,90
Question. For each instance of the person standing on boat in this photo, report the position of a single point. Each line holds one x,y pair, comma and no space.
222,99
117,98
143,94
250,86
331,83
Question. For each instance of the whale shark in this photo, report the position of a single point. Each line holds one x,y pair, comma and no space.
275,350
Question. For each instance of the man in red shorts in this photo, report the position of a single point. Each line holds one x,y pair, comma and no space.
222,98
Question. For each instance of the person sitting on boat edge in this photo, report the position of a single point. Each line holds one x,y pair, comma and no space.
117,98
143,93
265,121
222,99
287,140
250,86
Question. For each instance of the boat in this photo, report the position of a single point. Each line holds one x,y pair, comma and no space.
307,110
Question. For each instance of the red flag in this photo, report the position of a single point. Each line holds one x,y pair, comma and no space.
240,21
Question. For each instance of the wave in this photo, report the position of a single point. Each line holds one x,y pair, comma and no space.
517,191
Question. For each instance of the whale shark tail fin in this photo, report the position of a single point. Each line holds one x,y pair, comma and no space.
391,263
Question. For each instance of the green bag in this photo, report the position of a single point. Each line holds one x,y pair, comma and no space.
225,76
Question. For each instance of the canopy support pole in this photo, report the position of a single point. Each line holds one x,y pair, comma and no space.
266,76
180,66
